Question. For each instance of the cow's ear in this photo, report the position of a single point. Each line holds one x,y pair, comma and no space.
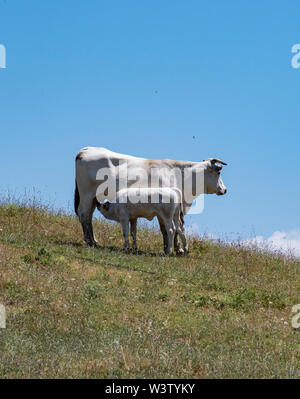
215,160
210,166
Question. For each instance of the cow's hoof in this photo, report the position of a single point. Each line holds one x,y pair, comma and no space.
180,252
93,244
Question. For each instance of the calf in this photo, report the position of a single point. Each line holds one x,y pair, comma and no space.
133,203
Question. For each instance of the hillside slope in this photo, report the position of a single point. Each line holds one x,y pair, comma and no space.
94,313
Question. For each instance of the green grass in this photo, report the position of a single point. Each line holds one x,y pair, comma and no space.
76,312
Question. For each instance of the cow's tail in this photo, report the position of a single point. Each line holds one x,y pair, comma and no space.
181,215
76,198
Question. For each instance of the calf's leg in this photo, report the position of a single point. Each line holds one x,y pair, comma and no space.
133,234
125,229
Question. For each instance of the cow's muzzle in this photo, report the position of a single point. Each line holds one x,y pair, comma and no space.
223,192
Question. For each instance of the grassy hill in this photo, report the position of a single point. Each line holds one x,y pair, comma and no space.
77,312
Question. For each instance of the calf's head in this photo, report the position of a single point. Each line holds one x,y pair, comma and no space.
212,178
106,209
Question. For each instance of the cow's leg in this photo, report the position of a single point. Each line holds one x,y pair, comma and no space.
163,231
125,228
133,234
177,222
182,234
85,213
170,228
178,250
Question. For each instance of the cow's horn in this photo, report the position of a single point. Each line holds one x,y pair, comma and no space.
216,160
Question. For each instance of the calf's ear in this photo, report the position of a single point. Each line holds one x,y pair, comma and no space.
106,205
98,205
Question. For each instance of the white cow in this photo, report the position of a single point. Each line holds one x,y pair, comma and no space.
133,203
102,173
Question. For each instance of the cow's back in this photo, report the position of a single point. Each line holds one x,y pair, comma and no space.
91,160
98,154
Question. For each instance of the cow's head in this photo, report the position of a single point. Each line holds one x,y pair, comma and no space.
212,178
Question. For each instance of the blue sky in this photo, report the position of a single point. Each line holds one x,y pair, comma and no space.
143,78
